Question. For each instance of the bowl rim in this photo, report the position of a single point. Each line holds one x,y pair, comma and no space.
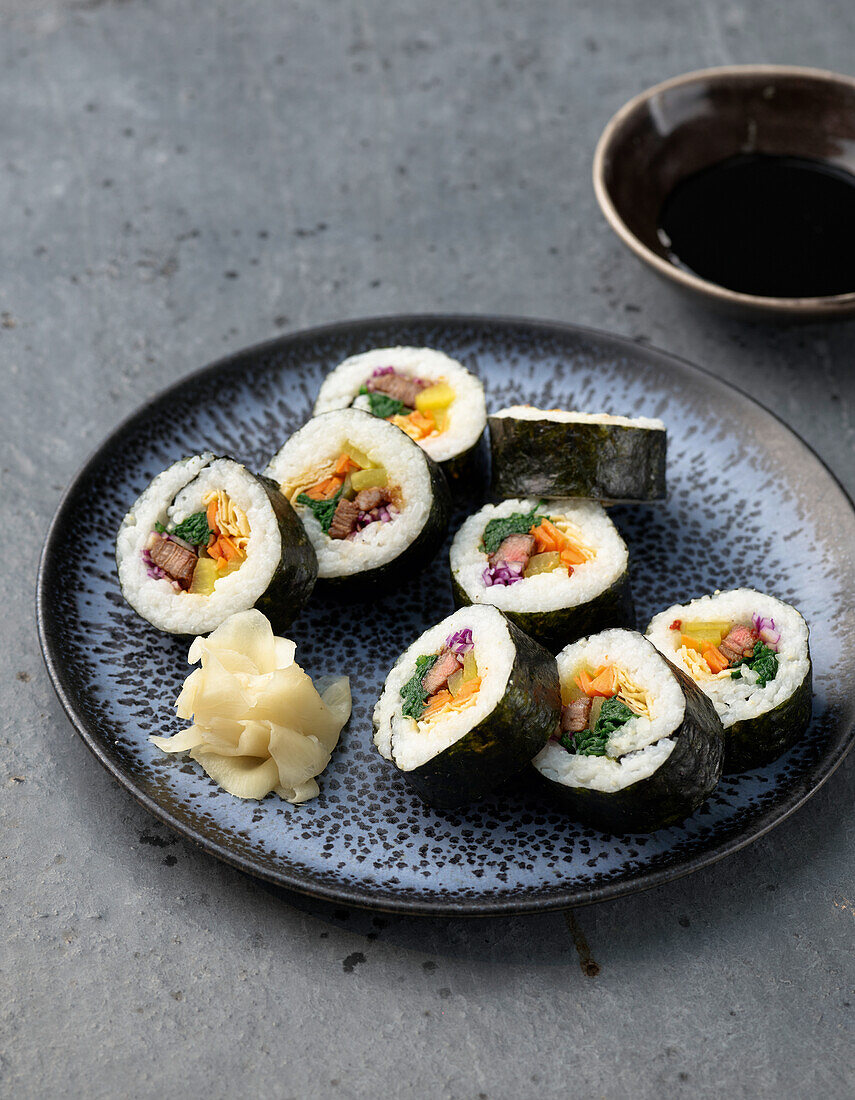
831,303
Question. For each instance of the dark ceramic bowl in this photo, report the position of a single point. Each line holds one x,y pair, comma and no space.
690,122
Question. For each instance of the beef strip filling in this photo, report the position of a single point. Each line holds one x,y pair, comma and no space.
575,715
514,548
344,519
175,560
396,386
367,500
739,643
437,677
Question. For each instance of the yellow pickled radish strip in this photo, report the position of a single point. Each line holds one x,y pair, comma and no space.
441,418
543,563
359,457
376,478
438,396
706,631
204,576
455,681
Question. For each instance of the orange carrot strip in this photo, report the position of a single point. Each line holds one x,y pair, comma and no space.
605,683
345,464
228,548
437,703
543,542
212,515
583,682
715,659
558,537
692,643
468,688
417,425
325,489
572,556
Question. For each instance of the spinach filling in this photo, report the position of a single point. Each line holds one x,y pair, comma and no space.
194,529
384,406
763,661
412,693
323,510
519,523
592,742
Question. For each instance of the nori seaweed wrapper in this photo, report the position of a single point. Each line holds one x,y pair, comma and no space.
675,790
294,578
552,458
754,742
503,743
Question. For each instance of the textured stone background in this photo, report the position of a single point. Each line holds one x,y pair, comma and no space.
181,180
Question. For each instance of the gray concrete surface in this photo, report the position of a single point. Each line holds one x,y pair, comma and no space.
181,180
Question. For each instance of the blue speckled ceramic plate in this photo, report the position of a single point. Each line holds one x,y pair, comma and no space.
749,504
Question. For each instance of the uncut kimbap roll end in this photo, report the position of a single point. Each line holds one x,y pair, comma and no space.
426,393
467,706
208,538
749,652
375,506
639,745
558,569
557,453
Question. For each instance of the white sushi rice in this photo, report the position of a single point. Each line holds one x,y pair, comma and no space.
467,414
320,442
737,700
172,496
562,416
642,745
408,743
545,591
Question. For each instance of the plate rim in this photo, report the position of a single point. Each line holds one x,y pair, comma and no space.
344,894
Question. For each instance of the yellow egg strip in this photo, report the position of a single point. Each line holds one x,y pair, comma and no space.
574,534
699,670
636,698
231,520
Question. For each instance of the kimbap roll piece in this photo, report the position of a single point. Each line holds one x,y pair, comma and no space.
467,706
639,745
425,393
553,453
749,653
559,570
374,505
208,538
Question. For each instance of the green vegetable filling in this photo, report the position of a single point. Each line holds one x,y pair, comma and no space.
613,714
412,693
763,661
383,405
323,510
497,530
194,529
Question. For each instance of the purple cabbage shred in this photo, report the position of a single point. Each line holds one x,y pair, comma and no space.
153,570
503,572
460,642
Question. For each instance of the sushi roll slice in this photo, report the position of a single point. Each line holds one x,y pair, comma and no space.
467,706
639,746
749,653
374,505
559,570
553,453
427,394
208,538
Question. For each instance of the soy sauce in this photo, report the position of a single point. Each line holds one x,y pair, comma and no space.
783,227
